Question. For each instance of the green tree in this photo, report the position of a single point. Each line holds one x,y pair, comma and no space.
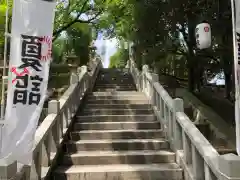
3,8
164,29
58,50
80,36
119,59
70,13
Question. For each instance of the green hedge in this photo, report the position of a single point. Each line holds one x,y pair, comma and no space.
61,68
58,81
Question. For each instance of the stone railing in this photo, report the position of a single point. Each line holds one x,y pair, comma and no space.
197,157
53,130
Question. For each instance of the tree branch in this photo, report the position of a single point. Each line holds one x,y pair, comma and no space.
208,56
57,32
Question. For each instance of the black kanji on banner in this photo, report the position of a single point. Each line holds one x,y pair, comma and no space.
34,95
31,52
22,95
238,46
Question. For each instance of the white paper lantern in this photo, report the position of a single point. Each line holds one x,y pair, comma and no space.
125,45
203,36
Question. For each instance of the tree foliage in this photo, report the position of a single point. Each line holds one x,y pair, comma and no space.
3,8
80,37
72,12
119,59
76,42
163,33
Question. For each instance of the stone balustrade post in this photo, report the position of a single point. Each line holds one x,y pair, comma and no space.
155,77
8,169
229,166
54,108
176,129
73,78
145,70
79,69
152,94
83,69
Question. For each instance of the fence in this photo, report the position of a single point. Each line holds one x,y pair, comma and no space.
53,130
197,157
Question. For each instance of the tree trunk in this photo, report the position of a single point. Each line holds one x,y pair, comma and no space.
228,85
191,55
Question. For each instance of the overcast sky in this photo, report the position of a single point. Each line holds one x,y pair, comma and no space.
111,47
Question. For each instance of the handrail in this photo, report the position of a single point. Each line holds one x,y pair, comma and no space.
51,132
198,158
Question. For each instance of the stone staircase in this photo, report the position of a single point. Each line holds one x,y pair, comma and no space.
116,136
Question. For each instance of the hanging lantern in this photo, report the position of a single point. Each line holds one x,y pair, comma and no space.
203,36
126,45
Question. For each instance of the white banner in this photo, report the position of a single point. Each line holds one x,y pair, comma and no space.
30,55
236,46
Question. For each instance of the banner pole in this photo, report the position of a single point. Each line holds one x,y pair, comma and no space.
235,55
4,63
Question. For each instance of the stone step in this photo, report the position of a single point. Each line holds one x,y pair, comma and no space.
118,97
98,86
117,145
116,134
116,93
116,111
117,79
130,100
116,118
114,75
114,89
165,171
113,70
118,106
116,125
117,76
113,83
111,90
118,157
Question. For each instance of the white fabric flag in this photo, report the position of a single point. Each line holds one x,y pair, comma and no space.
30,55
236,47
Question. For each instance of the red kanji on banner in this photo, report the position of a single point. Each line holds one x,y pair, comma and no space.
14,70
46,48
206,29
